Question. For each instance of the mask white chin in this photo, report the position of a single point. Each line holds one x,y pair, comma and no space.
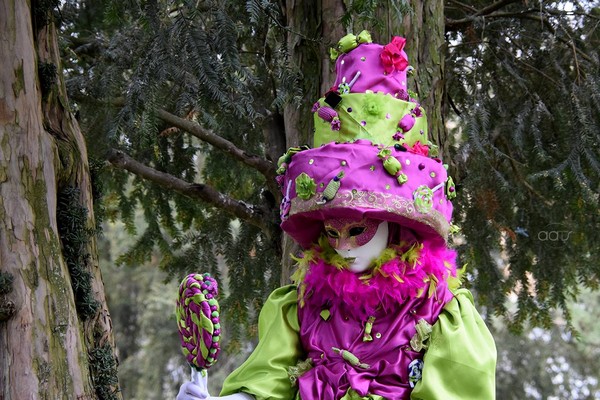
365,254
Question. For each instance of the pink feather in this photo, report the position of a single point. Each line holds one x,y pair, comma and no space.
394,283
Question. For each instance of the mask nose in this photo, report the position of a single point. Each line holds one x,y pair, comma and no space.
345,245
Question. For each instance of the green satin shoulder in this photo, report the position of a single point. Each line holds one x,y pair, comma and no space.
460,362
264,374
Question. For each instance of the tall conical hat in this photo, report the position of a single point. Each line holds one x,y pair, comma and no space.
371,156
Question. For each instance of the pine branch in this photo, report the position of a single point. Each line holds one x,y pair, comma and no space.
250,213
519,177
452,24
531,14
494,7
263,166
526,14
463,6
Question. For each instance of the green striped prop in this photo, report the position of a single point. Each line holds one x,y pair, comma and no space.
198,320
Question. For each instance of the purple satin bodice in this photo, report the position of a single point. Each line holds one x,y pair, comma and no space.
385,359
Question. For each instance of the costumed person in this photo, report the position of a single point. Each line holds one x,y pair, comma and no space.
375,311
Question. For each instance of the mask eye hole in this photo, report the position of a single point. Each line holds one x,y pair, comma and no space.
332,233
357,230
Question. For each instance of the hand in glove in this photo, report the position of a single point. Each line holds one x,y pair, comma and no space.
197,389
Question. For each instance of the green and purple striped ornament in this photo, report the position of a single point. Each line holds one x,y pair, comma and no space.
198,320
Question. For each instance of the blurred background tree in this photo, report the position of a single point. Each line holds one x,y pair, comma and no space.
192,102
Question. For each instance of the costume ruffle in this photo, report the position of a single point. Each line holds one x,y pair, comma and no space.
400,273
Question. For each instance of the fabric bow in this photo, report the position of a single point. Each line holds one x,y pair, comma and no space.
392,57
350,42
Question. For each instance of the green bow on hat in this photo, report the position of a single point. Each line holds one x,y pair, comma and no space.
349,42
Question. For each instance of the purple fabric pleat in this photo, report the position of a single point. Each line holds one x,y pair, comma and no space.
388,355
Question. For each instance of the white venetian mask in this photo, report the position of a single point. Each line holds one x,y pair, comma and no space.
360,242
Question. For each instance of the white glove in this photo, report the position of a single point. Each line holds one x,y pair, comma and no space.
197,389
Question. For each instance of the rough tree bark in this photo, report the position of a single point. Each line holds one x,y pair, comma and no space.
45,345
313,29
426,50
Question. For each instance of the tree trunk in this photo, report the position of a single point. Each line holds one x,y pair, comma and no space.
313,29
426,50
45,344
423,28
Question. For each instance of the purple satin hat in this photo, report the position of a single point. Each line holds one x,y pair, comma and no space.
374,159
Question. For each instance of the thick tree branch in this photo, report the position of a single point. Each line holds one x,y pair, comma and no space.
250,213
484,12
85,46
463,6
263,166
495,6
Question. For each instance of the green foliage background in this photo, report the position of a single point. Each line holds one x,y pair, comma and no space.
527,94
522,94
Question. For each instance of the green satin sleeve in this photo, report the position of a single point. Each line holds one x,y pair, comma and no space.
264,374
460,362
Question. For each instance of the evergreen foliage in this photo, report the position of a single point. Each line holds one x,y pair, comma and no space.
97,183
526,93
6,281
220,64
104,369
359,13
47,76
71,218
7,307
521,83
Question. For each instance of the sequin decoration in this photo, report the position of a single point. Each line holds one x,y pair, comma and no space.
395,204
